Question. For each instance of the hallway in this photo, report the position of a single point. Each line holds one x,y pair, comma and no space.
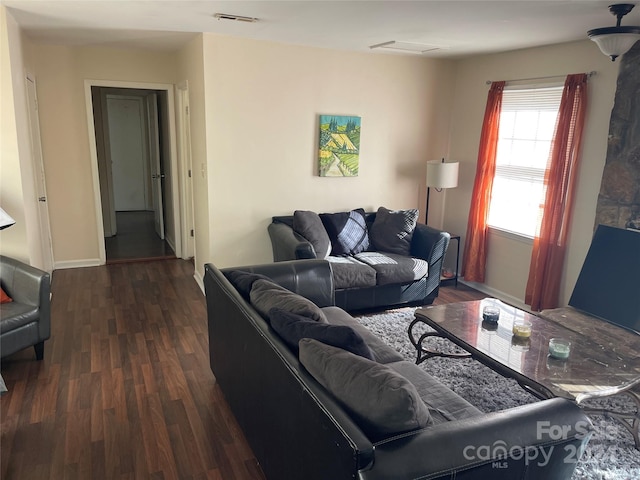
136,239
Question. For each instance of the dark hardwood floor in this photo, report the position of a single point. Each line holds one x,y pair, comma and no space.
136,239
461,293
125,390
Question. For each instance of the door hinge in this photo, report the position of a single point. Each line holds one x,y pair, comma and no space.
192,232
187,109
189,173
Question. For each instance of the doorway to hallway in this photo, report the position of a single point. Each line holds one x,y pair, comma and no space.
136,239
132,151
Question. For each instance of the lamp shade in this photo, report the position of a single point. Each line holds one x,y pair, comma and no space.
442,175
5,220
615,44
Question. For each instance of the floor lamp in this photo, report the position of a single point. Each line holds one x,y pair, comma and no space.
440,175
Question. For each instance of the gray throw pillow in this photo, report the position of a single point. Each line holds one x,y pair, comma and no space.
293,327
347,231
392,230
266,295
381,401
309,225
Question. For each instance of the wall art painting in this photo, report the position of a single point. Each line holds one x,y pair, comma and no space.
339,152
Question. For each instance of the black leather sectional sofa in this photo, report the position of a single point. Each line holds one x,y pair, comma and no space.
298,429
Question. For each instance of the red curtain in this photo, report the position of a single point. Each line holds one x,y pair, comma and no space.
475,248
549,246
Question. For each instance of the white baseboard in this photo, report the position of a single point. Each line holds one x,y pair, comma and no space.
492,292
87,262
198,279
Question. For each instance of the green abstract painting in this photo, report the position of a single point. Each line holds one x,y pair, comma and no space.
339,152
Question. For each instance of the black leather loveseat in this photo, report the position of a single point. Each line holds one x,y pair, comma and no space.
299,429
374,284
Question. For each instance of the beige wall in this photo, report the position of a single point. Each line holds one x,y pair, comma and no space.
17,187
263,101
508,260
61,72
13,241
254,110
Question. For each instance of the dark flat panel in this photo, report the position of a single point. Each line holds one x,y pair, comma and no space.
609,283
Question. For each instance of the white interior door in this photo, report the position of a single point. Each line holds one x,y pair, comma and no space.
157,177
127,142
46,260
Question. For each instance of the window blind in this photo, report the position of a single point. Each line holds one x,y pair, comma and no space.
541,99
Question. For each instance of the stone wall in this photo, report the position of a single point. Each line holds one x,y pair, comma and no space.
619,199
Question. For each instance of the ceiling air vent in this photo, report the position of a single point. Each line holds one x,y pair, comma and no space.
236,18
406,47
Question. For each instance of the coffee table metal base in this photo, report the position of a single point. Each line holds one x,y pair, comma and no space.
629,420
424,353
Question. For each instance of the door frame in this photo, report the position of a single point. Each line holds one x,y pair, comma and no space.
186,172
169,88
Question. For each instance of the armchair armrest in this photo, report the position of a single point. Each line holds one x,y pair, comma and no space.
287,244
546,437
30,286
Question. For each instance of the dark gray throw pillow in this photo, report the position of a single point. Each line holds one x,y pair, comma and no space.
347,231
293,327
266,295
381,401
309,225
243,281
392,230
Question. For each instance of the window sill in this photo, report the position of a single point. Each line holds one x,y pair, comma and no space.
518,237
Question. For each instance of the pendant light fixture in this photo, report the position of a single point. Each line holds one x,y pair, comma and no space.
616,41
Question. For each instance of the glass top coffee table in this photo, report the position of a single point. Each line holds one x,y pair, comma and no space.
603,360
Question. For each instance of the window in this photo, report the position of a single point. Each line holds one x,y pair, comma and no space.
527,122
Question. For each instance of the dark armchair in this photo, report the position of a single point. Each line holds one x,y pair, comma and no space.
26,321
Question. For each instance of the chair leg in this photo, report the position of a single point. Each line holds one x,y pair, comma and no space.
39,348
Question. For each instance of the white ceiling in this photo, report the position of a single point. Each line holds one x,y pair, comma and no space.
460,27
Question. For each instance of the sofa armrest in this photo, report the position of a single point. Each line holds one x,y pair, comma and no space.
287,244
312,279
429,243
543,440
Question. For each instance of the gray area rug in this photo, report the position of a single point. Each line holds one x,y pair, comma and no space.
610,453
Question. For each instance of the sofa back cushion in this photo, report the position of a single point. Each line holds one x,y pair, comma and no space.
309,225
381,401
293,327
347,231
243,281
266,295
392,230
